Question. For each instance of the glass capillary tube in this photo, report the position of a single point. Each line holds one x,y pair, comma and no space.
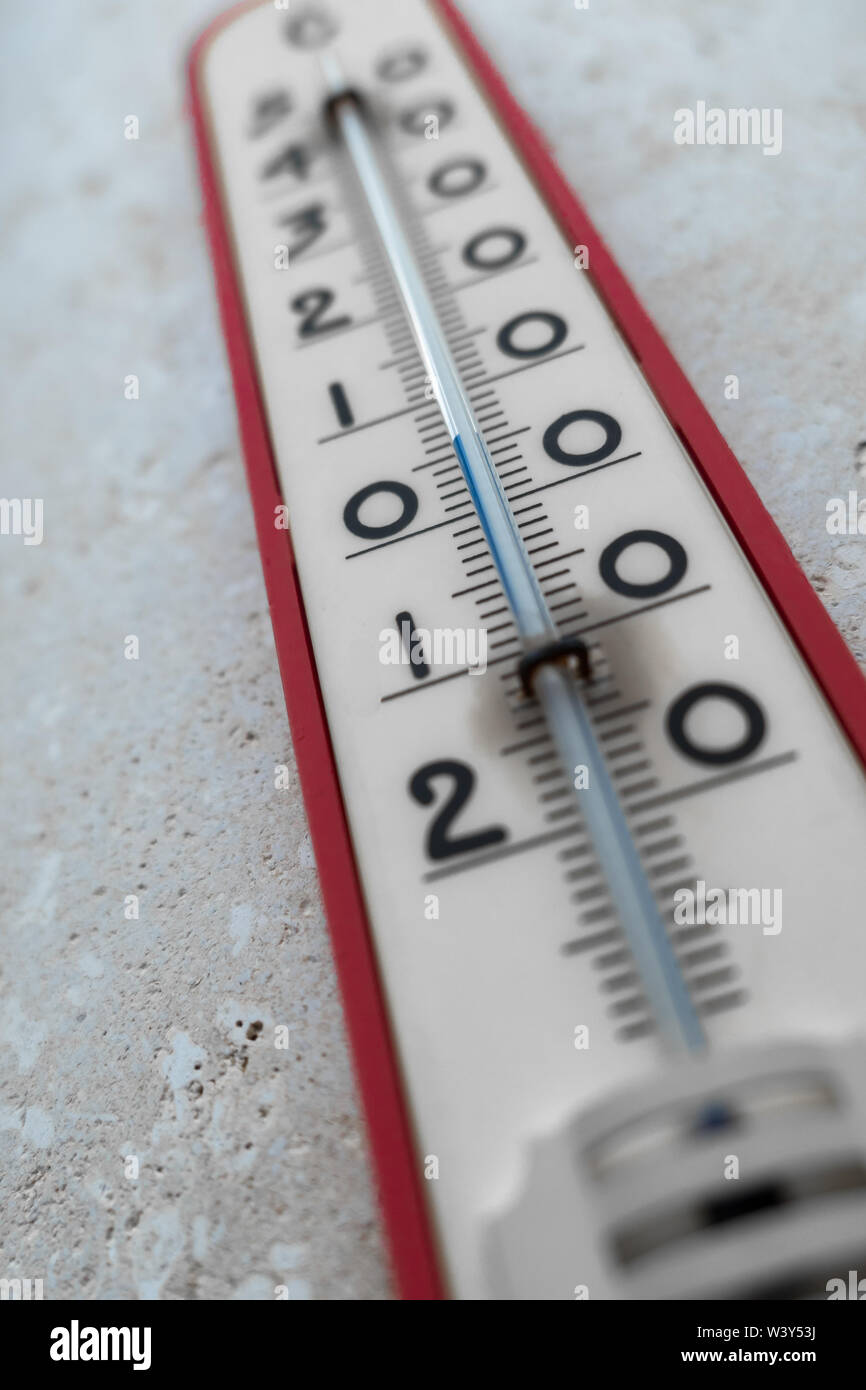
554,685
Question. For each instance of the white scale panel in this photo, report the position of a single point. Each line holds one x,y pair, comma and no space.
485,1000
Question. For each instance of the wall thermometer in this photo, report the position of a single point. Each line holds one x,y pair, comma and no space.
589,827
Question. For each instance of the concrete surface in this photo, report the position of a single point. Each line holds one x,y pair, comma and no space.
153,1039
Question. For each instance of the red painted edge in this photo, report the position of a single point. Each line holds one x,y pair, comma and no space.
796,602
834,668
395,1159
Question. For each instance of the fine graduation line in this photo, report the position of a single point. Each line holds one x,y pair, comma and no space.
517,498
708,784
495,661
425,404
554,685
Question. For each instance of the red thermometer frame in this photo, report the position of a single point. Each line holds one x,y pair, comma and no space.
398,1168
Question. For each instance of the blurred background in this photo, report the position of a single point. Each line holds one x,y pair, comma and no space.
147,785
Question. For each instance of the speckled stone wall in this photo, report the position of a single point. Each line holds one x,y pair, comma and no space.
154,1038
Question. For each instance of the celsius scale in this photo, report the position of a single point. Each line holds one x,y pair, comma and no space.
590,828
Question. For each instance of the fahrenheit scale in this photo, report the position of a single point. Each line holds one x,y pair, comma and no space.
590,851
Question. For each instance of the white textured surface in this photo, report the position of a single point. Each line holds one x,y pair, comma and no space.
155,777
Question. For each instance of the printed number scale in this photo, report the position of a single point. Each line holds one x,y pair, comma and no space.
573,1088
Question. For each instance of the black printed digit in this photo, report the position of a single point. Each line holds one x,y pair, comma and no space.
268,111
676,558
340,402
310,224
682,707
408,503
412,645
415,120
312,305
457,178
312,27
554,448
513,343
291,159
401,65
494,248
440,844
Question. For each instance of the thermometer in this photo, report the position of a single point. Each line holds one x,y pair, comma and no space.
581,751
